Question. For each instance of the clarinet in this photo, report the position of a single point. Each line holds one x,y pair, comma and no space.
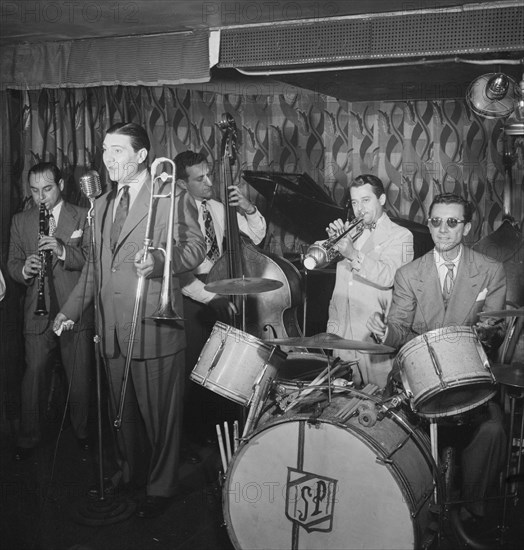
43,222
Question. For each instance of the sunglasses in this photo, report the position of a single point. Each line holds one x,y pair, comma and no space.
451,222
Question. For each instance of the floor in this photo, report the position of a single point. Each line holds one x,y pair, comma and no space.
43,506
44,503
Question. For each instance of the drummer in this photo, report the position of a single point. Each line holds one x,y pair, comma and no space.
449,286
202,308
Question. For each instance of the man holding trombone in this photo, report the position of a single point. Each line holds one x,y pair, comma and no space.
132,282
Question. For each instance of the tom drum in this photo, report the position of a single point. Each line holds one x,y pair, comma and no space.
233,362
446,372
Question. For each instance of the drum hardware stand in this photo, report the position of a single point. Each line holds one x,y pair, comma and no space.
513,397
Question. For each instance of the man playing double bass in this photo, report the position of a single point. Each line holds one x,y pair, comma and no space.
202,308
193,174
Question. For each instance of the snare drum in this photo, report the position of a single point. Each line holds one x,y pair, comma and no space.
319,477
233,362
446,372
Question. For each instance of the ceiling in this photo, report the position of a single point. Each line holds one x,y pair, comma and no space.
55,20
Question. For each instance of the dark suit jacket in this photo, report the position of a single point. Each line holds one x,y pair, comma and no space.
117,277
72,229
418,305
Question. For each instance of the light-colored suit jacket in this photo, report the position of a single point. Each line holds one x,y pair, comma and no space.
358,294
117,277
72,229
418,305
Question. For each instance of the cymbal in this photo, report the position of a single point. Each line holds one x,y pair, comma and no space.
326,340
243,285
503,313
510,375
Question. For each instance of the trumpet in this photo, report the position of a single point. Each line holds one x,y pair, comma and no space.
323,253
165,310
43,221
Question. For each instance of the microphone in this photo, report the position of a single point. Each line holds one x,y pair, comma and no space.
90,184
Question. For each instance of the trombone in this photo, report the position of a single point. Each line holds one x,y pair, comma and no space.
165,310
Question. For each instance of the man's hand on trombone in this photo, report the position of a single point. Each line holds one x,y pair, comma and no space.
144,265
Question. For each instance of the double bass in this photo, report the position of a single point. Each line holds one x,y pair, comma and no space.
270,314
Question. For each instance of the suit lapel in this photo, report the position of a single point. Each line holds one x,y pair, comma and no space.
67,223
104,219
428,292
465,289
377,236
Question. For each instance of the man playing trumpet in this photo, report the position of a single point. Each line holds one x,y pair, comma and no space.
365,275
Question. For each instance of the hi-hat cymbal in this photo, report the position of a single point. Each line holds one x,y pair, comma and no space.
243,285
503,313
326,340
510,375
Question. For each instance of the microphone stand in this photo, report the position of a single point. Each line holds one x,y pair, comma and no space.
106,509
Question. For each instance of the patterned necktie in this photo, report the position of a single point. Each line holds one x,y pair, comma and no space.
52,225
213,252
448,282
120,216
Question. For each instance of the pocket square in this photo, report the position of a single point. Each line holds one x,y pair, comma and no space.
77,233
482,295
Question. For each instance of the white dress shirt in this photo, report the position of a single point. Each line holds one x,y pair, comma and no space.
442,268
253,225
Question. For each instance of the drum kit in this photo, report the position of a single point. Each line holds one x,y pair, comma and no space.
322,464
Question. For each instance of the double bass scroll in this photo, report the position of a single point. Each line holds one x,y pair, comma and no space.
271,314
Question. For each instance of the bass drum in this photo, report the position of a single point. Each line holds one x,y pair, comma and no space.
319,478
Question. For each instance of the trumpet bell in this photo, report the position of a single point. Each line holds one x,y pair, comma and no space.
318,256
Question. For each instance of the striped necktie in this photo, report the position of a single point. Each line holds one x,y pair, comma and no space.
448,282
120,217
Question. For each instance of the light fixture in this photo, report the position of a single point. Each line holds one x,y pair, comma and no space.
514,125
492,95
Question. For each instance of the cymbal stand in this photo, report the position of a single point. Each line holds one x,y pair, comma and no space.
244,300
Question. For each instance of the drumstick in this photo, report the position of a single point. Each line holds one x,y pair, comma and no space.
228,441
235,435
252,410
433,433
221,446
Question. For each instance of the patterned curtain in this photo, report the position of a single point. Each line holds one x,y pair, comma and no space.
418,148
